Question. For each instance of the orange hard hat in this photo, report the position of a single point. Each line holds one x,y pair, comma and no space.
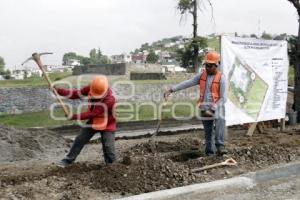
99,87
212,57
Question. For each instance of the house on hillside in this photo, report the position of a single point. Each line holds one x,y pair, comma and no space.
72,62
122,58
165,57
58,68
172,66
171,44
18,74
139,58
34,72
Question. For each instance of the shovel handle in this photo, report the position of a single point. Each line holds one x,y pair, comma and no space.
38,61
228,162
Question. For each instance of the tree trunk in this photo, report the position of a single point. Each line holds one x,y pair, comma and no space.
196,47
297,74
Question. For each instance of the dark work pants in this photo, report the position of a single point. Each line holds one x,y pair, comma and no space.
86,133
214,130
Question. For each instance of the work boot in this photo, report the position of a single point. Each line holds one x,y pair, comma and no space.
221,151
209,154
64,163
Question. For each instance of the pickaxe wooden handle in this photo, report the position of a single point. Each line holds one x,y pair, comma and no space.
37,59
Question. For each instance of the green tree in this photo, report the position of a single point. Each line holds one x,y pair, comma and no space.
93,54
266,36
186,55
99,54
152,57
84,60
25,74
145,46
7,74
2,65
97,58
104,60
282,36
191,7
67,56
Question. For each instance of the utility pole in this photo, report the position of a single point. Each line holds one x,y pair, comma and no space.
196,47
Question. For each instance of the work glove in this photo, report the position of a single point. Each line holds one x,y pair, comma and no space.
167,94
71,117
209,113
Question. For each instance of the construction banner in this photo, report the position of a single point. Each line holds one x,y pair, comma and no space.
256,73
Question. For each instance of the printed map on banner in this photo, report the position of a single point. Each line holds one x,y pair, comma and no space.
257,76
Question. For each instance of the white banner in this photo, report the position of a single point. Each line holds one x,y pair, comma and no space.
257,78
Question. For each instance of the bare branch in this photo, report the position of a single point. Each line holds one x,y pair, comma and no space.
212,11
296,4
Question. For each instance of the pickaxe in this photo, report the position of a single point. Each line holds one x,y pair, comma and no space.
37,58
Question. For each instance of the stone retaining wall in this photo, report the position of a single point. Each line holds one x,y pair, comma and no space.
19,100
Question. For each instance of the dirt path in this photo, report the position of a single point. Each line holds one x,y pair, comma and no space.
139,170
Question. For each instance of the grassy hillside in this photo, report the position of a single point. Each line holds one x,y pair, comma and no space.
34,81
43,118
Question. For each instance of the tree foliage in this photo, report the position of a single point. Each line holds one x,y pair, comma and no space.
191,7
186,55
2,64
152,57
95,57
7,74
67,56
266,36
185,6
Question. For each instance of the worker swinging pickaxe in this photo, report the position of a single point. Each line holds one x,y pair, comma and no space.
37,59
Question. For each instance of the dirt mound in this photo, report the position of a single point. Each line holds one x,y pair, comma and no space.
183,144
23,144
139,170
146,174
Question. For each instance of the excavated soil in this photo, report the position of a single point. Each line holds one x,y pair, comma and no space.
24,144
139,170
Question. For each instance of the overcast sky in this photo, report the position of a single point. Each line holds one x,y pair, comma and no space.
118,26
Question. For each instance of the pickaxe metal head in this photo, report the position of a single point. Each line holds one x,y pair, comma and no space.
36,56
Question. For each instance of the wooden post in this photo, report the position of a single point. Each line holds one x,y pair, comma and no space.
251,129
282,124
260,127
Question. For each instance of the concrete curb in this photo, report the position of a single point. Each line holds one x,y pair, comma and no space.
195,188
275,172
244,181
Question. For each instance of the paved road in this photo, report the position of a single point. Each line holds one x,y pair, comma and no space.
280,189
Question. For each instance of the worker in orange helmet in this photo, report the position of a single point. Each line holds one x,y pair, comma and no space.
99,116
212,87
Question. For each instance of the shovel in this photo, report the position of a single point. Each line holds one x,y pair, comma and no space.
228,162
152,138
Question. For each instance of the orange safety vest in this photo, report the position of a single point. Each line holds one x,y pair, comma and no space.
215,87
98,123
